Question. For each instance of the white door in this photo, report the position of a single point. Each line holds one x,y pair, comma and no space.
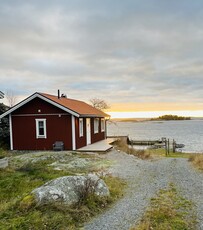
88,131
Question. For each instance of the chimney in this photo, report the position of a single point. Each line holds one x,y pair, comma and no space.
58,94
63,95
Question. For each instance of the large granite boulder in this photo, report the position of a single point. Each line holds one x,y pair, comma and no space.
69,189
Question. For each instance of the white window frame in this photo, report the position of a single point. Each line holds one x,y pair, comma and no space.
37,128
96,125
102,125
81,131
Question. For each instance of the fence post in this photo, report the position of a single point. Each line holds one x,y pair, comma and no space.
168,146
165,140
174,146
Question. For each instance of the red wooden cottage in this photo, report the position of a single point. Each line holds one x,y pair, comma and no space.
40,120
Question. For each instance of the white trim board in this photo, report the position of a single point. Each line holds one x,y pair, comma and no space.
11,132
73,133
38,136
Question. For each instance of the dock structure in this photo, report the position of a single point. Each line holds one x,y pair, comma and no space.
136,142
112,139
146,142
158,143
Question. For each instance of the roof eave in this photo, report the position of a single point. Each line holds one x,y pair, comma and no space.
95,115
33,96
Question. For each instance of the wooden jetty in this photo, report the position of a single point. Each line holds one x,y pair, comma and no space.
160,143
137,142
145,142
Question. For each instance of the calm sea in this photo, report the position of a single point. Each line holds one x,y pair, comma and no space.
189,133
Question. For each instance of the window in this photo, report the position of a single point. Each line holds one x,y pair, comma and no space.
102,124
96,125
81,127
41,131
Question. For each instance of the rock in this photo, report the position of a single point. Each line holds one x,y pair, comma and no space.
3,163
68,189
76,163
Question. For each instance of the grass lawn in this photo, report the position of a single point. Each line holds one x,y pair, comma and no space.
18,209
162,153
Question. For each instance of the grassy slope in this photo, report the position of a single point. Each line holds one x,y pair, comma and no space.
18,209
169,211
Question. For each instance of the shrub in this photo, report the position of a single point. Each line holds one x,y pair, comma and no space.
197,160
87,190
123,146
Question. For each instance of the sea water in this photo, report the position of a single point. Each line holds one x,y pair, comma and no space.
189,133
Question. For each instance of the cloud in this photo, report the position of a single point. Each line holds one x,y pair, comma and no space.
123,51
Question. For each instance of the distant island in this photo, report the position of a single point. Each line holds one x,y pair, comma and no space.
170,118
160,118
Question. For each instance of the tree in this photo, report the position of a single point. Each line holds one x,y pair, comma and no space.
99,104
4,127
11,98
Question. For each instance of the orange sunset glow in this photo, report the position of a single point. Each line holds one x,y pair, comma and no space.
152,114
147,110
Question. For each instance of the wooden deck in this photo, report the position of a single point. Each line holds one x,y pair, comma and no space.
100,146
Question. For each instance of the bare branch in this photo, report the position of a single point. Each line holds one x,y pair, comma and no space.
99,104
11,98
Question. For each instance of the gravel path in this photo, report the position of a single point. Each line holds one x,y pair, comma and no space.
145,178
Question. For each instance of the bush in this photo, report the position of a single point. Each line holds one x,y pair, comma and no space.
86,191
197,160
4,128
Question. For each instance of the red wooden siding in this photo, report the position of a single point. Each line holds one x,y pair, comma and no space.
24,127
96,136
24,132
33,106
80,141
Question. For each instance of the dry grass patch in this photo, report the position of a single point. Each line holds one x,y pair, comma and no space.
123,146
168,211
197,160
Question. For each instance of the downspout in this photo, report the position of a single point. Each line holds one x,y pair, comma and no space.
11,132
73,132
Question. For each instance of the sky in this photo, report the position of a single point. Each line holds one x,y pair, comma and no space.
141,56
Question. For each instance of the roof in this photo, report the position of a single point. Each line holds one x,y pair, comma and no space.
74,107
80,107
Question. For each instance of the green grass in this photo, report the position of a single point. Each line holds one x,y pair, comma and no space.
18,209
148,153
160,152
4,153
168,211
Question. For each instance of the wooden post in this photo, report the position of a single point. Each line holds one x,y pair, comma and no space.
174,146
165,140
168,146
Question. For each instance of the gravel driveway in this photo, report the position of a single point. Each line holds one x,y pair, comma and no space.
145,178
